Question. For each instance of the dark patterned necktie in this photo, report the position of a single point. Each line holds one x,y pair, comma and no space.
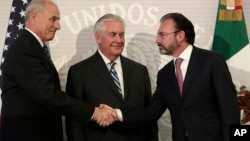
115,76
46,51
179,76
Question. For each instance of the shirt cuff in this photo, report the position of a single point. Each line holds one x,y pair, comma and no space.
119,114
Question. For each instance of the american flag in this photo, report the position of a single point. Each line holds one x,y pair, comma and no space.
15,26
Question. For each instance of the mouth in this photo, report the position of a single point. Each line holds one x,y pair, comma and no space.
160,47
117,45
53,32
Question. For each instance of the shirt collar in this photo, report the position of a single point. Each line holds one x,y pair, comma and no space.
185,55
107,61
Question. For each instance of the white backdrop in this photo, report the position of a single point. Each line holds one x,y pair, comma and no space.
75,40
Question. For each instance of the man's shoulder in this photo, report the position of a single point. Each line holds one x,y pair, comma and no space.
83,63
132,62
203,50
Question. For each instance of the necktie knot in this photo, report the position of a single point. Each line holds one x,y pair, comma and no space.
46,51
112,64
178,62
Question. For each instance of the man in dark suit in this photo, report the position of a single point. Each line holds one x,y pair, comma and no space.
32,102
205,105
91,81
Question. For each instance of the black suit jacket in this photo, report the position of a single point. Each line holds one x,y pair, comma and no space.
32,102
91,82
208,105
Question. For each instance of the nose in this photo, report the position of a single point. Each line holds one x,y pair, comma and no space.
57,25
157,40
118,38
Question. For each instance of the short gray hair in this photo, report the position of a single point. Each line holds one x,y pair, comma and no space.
100,26
37,6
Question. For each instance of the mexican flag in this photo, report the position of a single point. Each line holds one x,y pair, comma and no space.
231,40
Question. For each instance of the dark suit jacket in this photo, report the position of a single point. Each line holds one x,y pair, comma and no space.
208,105
32,102
91,82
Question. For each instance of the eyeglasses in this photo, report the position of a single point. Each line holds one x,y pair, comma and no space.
162,34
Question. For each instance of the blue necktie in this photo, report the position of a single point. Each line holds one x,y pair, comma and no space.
115,76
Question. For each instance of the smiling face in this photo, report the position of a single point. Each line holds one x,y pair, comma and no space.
111,41
47,22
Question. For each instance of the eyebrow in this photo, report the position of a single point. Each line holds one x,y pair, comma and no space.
55,17
115,32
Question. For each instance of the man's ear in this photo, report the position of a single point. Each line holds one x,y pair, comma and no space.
181,36
34,17
98,37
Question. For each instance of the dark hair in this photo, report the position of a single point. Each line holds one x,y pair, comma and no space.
181,23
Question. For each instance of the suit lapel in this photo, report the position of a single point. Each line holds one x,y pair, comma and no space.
101,70
192,70
38,47
49,62
126,69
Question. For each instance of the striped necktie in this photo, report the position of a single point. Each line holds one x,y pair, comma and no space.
115,76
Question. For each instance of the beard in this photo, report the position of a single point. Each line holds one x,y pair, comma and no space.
165,51
168,50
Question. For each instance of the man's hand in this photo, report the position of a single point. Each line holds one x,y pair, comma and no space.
104,115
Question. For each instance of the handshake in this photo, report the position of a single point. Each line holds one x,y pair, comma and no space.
105,115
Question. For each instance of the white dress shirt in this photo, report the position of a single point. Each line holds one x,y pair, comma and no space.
118,68
185,55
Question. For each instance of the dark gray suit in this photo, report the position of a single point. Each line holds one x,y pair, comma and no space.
91,82
208,105
32,102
